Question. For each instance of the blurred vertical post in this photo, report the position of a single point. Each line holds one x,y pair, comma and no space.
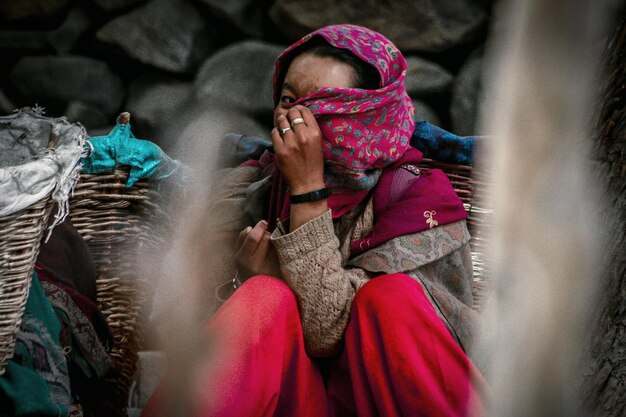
548,227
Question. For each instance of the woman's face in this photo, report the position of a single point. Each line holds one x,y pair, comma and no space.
308,73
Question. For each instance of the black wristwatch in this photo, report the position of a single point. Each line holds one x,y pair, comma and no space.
316,195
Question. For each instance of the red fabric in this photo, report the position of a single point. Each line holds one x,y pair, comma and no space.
398,360
260,354
409,205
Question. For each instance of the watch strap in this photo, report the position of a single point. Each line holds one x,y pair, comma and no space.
316,195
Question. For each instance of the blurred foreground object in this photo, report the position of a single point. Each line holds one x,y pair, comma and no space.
548,231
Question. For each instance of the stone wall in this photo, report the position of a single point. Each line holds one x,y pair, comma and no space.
91,59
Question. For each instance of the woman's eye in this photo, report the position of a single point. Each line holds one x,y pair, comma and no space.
286,99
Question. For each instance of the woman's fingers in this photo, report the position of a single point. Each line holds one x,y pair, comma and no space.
299,123
284,127
265,245
241,237
296,121
251,241
277,140
298,150
256,254
306,129
307,115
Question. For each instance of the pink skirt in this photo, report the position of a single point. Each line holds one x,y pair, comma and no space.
398,359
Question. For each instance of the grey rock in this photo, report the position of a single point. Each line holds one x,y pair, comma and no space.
413,25
486,4
6,106
425,78
110,5
88,115
240,75
167,34
63,79
424,112
23,39
246,15
13,10
65,36
154,103
465,96
61,39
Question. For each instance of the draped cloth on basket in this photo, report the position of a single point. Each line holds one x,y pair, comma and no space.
38,155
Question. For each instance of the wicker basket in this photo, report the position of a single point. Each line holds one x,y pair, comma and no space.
38,162
471,185
120,226
20,236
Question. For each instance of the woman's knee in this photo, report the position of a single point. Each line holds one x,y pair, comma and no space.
255,309
262,284
386,291
267,293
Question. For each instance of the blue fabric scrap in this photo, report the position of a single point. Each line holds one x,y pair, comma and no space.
120,147
436,143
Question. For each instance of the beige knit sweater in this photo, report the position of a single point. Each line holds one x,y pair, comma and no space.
313,262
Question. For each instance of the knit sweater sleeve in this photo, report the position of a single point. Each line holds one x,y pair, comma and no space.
311,264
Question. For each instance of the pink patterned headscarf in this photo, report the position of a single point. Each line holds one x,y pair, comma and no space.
363,130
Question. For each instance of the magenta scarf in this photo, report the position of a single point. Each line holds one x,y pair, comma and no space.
365,141
363,130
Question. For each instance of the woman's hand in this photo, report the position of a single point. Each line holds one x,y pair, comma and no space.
255,254
300,158
299,150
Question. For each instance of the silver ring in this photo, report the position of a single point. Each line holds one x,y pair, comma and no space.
284,130
297,121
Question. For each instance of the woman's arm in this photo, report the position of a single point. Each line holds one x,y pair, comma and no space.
311,264
309,255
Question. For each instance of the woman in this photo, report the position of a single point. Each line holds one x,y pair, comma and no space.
353,293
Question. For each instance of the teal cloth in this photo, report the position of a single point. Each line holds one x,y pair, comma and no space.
36,379
120,147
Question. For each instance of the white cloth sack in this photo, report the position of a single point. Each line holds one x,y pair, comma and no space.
38,155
